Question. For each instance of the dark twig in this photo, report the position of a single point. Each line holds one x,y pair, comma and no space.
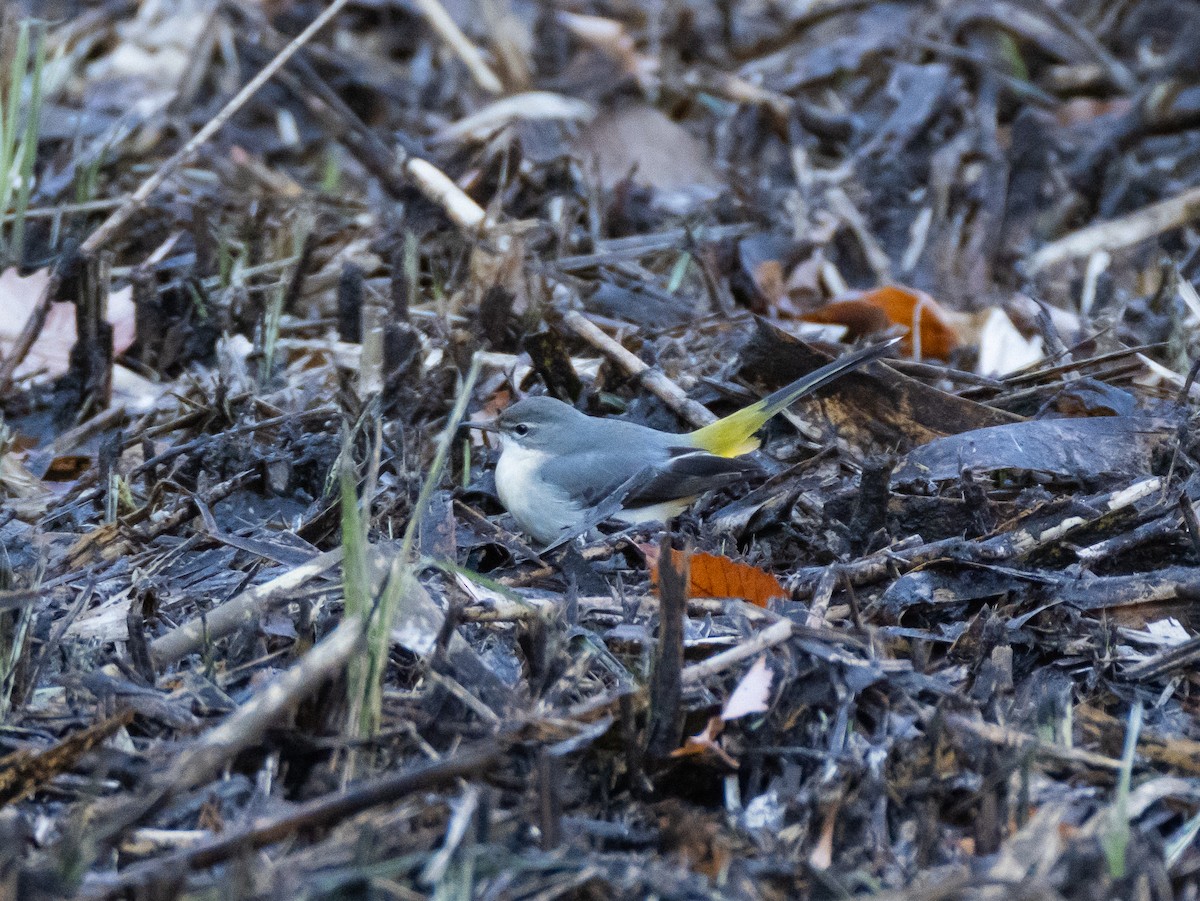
665,728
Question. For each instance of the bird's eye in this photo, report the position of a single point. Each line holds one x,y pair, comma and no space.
521,430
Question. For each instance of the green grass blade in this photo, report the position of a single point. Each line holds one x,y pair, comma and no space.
439,459
11,106
29,146
403,573
356,588
1115,838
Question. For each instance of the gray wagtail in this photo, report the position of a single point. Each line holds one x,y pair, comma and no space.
562,472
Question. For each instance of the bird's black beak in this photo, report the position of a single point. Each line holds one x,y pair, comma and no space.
482,426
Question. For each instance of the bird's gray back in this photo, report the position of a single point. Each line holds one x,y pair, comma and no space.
601,455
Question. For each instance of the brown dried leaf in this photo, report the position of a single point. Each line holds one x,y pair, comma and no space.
52,349
705,742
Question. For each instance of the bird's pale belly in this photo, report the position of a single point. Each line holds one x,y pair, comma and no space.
541,510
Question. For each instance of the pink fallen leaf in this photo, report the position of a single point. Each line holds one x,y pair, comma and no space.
50,353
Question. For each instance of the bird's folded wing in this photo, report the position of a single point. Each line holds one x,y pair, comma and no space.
689,472
592,477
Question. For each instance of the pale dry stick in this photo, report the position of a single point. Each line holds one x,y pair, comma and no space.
237,611
67,209
903,555
117,220
1162,373
120,216
877,258
1116,71
819,608
1123,231
139,841
439,20
441,189
1097,265
1005,737
89,428
741,90
245,726
661,386
464,696
1023,541
461,819
918,236
528,106
718,663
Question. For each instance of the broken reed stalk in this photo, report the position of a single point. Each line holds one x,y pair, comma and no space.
471,57
665,729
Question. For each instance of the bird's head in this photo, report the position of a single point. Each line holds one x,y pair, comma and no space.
535,423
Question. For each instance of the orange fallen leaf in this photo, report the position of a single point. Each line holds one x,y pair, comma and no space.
714,576
859,317
67,468
866,312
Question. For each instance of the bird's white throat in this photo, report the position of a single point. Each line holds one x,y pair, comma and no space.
540,509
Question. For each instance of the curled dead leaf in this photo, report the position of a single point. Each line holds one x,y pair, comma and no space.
705,742
937,331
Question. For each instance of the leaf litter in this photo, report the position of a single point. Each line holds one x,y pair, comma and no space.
265,629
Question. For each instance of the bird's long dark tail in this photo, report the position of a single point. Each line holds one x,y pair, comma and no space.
734,435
